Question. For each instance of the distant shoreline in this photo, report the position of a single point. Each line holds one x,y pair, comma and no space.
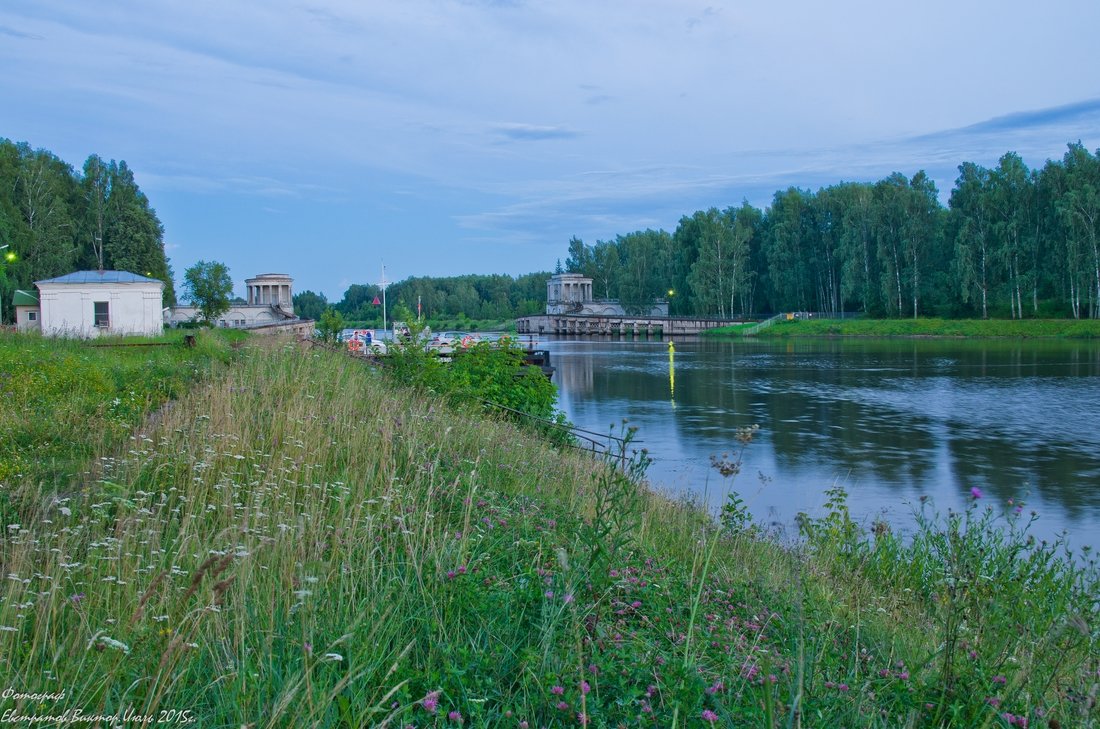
921,328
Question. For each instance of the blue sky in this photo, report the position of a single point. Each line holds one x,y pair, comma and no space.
477,136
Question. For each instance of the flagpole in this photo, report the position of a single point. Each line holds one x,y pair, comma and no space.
383,284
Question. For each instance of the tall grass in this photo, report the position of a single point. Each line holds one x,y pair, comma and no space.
300,543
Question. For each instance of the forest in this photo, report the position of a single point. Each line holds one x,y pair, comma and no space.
1012,242
55,220
493,297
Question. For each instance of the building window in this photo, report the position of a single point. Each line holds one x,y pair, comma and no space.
32,316
102,315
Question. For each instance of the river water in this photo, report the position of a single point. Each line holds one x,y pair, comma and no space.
890,421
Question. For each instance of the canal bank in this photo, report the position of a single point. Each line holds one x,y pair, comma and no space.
824,326
891,421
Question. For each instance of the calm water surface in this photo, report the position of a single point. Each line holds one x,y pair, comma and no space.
889,420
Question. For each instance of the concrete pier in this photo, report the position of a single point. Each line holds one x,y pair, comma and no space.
614,325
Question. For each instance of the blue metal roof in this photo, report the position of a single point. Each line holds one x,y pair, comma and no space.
86,277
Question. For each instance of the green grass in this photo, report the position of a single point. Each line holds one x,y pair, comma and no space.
1015,328
66,401
300,542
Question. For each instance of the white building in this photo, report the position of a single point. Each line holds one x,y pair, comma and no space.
95,303
270,300
571,293
27,311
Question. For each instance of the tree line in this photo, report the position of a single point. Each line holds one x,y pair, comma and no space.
56,220
1012,242
474,296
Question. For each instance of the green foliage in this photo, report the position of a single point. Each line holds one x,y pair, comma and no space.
441,300
330,325
925,327
56,219
376,557
606,538
65,400
209,287
1014,240
309,305
486,376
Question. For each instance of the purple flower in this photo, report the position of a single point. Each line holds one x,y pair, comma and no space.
557,690
455,716
562,706
975,492
709,715
585,687
430,702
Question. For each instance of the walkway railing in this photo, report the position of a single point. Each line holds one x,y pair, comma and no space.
751,331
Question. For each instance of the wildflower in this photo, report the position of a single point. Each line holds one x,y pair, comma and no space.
549,595
582,718
1000,679
585,687
557,690
567,598
710,716
563,706
904,675
455,716
430,702
975,492
104,642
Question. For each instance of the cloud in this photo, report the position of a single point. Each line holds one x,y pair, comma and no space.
1087,110
533,132
5,30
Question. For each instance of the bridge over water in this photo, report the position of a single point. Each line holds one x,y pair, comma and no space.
620,325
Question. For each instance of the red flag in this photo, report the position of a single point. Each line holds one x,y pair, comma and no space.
376,301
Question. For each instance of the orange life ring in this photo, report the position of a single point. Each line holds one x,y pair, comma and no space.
355,345
467,341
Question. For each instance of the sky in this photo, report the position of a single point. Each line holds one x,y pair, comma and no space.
328,138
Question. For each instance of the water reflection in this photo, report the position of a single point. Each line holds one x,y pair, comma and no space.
890,420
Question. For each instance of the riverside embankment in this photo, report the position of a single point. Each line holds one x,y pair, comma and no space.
931,327
298,541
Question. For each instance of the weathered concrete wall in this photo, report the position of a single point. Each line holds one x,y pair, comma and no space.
617,325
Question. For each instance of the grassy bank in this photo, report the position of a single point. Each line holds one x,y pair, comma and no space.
1016,328
66,402
300,542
